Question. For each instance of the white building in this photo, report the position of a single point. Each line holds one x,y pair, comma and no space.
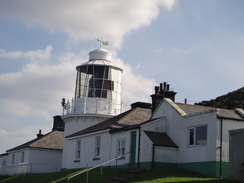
180,135
40,155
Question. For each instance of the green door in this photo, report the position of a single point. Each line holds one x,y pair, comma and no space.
133,150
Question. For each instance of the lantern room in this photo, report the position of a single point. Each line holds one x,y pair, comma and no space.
98,85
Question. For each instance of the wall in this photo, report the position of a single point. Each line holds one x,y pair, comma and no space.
146,144
108,149
45,160
35,161
113,147
87,156
236,154
196,158
177,128
74,124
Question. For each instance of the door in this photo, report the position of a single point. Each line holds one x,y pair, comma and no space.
133,150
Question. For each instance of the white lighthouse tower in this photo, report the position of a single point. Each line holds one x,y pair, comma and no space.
97,94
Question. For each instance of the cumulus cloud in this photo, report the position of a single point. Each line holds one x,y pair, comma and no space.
37,89
20,136
35,92
86,19
135,87
33,55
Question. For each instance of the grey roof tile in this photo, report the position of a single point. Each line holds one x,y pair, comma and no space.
122,121
52,140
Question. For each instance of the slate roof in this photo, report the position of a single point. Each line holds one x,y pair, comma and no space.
53,140
123,121
160,139
224,113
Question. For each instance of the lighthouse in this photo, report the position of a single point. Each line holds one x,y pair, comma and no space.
97,92
97,95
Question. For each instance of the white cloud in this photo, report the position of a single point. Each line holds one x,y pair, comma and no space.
135,87
87,19
11,139
36,55
32,96
37,88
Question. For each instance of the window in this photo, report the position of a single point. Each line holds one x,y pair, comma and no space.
22,157
97,146
197,135
93,81
13,157
3,162
78,145
120,147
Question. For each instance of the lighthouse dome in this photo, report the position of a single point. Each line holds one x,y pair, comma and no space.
100,54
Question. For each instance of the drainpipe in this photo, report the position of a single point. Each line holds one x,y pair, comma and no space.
153,156
139,148
221,142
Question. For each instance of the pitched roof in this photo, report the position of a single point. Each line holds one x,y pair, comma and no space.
52,140
122,121
190,109
160,139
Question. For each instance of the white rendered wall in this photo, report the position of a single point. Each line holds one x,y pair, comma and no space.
119,136
45,161
166,154
177,129
145,142
87,157
35,161
74,124
227,125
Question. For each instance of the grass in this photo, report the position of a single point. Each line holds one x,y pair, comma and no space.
151,176
61,177
174,175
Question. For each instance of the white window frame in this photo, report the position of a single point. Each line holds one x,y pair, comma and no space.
3,162
13,159
97,146
78,149
121,147
192,133
22,157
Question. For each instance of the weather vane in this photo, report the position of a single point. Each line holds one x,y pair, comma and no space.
102,42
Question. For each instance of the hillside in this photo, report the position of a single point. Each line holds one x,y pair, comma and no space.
231,100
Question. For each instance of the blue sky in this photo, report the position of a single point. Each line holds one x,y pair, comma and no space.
195,46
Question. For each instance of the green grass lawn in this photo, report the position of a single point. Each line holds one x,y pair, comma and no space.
174,175
151,176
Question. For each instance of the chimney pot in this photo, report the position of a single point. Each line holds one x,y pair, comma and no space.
167,89
165,85
161,87
156,89
39,134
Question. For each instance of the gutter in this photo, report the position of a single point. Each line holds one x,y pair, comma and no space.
139,147
153,155
229,118
220,147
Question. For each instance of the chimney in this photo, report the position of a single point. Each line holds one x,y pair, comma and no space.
164,92
144,105
39,135
58,123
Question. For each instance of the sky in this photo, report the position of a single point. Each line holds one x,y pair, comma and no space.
197,46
